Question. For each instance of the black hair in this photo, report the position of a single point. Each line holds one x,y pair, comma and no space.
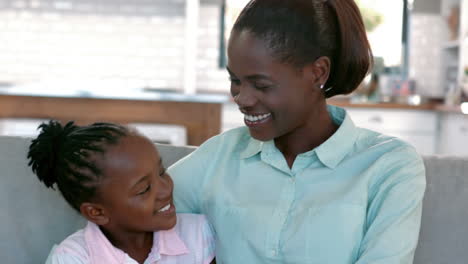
298,32
63,156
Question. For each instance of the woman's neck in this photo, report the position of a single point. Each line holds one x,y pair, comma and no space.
311,135
137,245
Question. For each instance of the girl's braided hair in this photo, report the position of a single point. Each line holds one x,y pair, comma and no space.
65,156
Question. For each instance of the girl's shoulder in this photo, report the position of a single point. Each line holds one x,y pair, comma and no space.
197,234
192,225
71,250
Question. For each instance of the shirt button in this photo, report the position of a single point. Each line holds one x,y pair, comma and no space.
292,180
273,252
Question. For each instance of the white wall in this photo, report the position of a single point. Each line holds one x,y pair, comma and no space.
139,41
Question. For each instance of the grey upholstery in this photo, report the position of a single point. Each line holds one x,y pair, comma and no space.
33,218
444,227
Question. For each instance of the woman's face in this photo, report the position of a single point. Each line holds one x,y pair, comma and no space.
276,99
136,191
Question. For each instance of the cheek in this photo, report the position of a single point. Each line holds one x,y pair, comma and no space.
288,116
142,205
283,107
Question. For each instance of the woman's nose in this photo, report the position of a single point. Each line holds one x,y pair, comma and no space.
245,98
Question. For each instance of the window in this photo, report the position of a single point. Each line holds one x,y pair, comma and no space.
384,22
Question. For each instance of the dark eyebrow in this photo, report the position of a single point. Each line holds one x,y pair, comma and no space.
142,179
255,77
252,77
146,177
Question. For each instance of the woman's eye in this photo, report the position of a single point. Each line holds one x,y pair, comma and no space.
234,81
145,190
234,90
162,173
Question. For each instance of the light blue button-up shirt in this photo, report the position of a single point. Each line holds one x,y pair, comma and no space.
357,198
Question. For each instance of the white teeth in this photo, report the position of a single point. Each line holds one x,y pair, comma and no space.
165,208
253,118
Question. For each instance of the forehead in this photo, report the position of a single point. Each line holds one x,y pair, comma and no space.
245,49
249,55
132,155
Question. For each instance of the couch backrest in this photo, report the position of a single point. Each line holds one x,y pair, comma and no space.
444,227
33,218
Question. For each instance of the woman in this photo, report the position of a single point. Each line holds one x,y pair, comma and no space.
300,183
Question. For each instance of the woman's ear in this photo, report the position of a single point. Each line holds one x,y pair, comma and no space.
319,70
94,213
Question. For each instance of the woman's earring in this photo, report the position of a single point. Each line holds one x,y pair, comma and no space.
321,87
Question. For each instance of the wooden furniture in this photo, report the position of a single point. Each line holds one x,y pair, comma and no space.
201,118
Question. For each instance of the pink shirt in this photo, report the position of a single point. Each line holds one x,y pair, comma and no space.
191,241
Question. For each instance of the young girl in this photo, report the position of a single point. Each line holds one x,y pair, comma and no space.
114,177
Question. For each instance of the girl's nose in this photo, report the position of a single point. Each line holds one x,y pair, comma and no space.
164,188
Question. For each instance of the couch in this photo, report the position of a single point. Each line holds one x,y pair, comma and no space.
33,218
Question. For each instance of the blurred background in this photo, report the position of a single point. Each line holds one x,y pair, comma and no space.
160,65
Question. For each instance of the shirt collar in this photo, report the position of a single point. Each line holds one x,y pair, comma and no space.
166,242
170,243
332,151
253,147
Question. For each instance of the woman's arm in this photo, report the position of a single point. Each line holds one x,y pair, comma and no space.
190,175
187,174
394,211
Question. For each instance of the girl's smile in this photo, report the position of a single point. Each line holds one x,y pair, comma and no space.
166,211
136,191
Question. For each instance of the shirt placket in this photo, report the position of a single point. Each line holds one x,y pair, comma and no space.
280,214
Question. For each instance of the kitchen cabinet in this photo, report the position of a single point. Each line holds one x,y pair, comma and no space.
453,134
417,127
455,47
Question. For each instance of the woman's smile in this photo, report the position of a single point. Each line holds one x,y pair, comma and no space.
255,120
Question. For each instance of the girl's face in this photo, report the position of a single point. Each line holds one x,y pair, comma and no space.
136,191
276,99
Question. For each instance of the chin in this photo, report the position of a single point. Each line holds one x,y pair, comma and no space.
261,136
167,224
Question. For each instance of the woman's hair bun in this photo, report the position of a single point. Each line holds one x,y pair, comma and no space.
45,151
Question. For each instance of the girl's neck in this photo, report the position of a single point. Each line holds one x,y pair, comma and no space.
137,245
303,139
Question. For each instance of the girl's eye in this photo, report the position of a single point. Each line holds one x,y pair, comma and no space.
261,86
145,190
